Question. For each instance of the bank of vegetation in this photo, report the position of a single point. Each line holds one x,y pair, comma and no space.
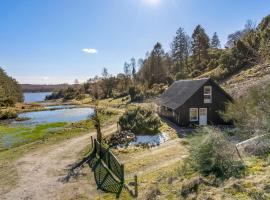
10,94
10,90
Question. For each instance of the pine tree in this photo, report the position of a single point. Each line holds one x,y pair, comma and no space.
180,49
200,43
133,66
215,43
105,72
156,65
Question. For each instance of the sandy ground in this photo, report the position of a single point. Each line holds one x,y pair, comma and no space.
40,171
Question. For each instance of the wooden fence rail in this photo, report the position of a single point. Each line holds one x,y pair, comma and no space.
108,170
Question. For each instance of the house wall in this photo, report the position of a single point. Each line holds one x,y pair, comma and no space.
169,114
219,100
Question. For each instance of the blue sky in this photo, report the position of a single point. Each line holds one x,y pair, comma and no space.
56,41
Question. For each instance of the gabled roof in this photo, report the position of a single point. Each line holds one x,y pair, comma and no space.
180,91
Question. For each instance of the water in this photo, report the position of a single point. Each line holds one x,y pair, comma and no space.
152,140
51,116
30,97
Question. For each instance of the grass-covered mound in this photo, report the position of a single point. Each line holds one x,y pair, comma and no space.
140,121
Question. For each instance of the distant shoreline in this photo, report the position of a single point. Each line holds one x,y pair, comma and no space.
35,88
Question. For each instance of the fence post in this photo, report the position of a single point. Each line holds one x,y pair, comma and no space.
135,185
123,173
92,141
108,158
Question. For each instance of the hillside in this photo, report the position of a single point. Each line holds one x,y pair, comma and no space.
240,83
42,88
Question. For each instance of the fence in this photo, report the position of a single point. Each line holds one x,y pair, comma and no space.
108,170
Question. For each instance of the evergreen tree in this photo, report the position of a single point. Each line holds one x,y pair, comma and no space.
156,65
215,42
133,66
200,43
105,72
180,49
127,69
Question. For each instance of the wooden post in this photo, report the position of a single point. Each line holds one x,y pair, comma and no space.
92,142
238,153
136,186
123,173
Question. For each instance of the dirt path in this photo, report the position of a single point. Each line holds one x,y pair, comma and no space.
39,171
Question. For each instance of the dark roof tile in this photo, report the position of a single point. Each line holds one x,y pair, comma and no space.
180,91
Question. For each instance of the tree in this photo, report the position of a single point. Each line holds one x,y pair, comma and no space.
215,42
10,91
127,69
105,72
200,43
240,34
180,49
107,83
133,66
156,65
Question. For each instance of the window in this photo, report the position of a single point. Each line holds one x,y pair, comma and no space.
207,94
193,114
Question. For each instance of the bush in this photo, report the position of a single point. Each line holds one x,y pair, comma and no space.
212,153
135,94
250,114
195,73
140,121
155,90
8,114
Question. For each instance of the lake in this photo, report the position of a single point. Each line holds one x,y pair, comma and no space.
66,114
30,97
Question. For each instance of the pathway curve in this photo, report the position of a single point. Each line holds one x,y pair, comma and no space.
39,171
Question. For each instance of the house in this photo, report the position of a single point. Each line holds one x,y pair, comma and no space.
198,101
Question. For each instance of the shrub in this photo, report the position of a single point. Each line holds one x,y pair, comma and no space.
212,153
250,114
152,193
195,73
140,121
135,94
8,114
191,186
155,90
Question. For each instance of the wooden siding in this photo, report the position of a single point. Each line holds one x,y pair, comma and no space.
219,100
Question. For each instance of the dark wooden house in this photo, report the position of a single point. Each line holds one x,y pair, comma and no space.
198,101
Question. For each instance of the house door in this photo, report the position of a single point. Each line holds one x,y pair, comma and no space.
203,116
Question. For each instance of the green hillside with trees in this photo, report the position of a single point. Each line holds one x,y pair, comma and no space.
192,56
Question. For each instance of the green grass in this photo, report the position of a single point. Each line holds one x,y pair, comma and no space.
11,137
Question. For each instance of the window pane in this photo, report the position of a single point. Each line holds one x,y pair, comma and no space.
207,94
193,113
207,90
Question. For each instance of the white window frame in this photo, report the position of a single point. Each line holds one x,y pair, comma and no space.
207,94
197,117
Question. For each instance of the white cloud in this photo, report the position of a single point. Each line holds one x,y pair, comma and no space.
90,51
